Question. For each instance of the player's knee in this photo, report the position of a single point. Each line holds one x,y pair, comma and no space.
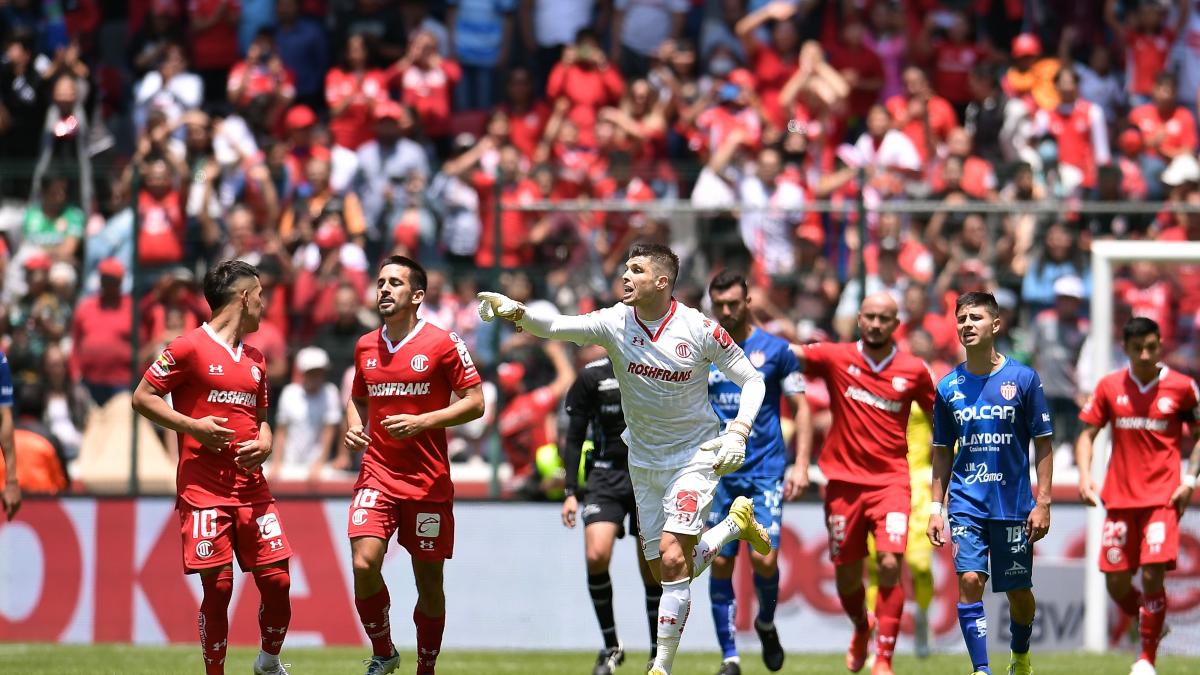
674,564
1152,578
366,564
971,583
273,582
1118,583
889,568
597,559
218,587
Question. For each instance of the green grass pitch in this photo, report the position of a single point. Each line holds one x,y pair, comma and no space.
33,659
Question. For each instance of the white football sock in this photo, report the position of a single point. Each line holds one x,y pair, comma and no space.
672,614
711,543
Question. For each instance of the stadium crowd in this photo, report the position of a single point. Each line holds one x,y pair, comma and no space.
313,137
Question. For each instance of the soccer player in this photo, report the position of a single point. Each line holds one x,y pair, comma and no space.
218,388
404,374
762,475
990,406
1144,492
595,400
872,386
11,495
661,351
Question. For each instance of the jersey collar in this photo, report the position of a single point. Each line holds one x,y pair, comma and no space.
1143,388
393,348
661,327
235,355
877,367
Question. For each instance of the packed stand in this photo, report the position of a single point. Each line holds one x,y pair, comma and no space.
313,137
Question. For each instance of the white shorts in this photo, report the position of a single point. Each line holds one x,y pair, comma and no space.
673,500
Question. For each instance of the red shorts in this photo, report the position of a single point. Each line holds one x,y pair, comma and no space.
852,511
426,529
213,536
1135,537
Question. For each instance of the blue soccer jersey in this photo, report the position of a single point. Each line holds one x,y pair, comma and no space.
6,383
992,419
771,355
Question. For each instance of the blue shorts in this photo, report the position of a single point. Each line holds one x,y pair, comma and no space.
1011,555
767,493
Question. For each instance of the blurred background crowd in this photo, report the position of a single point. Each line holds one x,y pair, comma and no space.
312,137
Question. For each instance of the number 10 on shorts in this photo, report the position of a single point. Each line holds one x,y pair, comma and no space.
204,524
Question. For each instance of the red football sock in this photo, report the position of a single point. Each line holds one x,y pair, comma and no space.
889,607
855,605
429,640
373,612
275,612
1154,613
213,619
1131,603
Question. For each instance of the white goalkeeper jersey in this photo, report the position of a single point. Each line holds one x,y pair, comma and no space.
662,371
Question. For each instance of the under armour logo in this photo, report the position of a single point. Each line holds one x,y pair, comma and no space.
664,620
426,545
639,341
214,369
281,631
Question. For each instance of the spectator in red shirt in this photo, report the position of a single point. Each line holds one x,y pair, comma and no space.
163,231
1133,183
977,177
773,62
918,316
212,30
584,78
315,292
861,67
1078,126
526,116
527,422
426,83
514,189
922,115
101,336
950,58
352,90
1168,129
1147,43
262,80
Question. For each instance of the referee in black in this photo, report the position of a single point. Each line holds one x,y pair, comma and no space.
595,401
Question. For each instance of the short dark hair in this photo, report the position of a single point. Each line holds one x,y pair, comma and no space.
662,256
1166,77
727,279
417,278
220,280
978,299
1139,326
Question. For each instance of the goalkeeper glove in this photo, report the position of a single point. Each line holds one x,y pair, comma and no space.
730,447
492,305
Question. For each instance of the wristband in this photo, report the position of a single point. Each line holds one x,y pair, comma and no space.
739,427
935,508
1189,481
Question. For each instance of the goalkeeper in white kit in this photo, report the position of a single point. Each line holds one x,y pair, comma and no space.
661,352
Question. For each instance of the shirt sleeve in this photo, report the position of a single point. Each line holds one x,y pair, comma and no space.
1189,413
1096,412
1038,413
728,357
815,359
264,387
793,380
945,430
579,405
170,367
358,387
541,320
925,392
6,384
460,369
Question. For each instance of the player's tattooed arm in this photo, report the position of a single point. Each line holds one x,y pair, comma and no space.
797,481
1183,493
253,452
1038,523
1089,492
149,403
941,459
356,434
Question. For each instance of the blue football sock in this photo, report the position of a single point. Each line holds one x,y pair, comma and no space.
1020,636
973,623
724,608
767,589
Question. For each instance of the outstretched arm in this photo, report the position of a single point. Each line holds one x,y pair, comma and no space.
542,320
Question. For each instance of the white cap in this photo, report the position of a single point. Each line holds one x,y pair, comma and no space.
1069,286
311,358
1183,169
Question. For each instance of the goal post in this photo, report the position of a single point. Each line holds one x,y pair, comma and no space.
1106,257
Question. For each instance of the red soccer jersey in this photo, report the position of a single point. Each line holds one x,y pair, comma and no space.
1147,421
205,377
414,376
870,402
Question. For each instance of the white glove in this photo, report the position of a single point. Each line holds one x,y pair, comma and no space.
730,447
492,305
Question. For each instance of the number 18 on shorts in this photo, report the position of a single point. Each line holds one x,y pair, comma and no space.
425,529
